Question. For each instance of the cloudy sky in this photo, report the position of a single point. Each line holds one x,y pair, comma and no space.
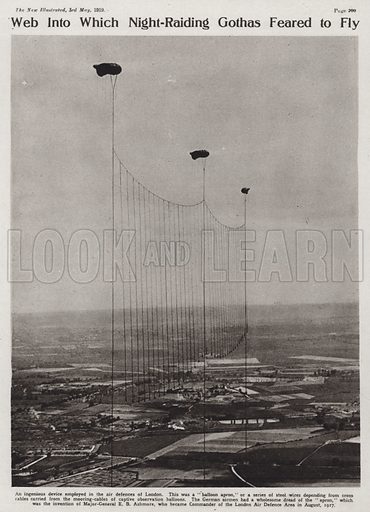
277,114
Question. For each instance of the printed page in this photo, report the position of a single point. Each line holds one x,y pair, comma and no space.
184,291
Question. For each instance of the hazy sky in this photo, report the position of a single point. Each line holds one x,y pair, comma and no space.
277,114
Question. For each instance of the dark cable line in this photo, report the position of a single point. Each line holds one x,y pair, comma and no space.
153,305
167,314
204,298
130,296
163,306
142,329
113,84
245,330
146,333
123,292
186,309
136,297
176,359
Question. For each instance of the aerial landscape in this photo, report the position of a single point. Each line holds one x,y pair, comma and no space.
299,419
185,262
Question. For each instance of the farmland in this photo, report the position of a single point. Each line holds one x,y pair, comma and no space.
284,417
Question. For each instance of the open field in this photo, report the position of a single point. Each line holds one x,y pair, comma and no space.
260,475
232,442
326,359
144,446
57,461
178,444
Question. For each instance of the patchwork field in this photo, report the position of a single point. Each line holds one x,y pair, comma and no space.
216,442
144,446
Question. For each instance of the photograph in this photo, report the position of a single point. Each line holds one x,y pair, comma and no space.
185,261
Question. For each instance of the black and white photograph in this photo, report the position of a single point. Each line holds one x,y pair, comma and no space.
185,270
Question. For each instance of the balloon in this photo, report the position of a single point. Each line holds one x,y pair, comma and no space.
107,69
199,153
